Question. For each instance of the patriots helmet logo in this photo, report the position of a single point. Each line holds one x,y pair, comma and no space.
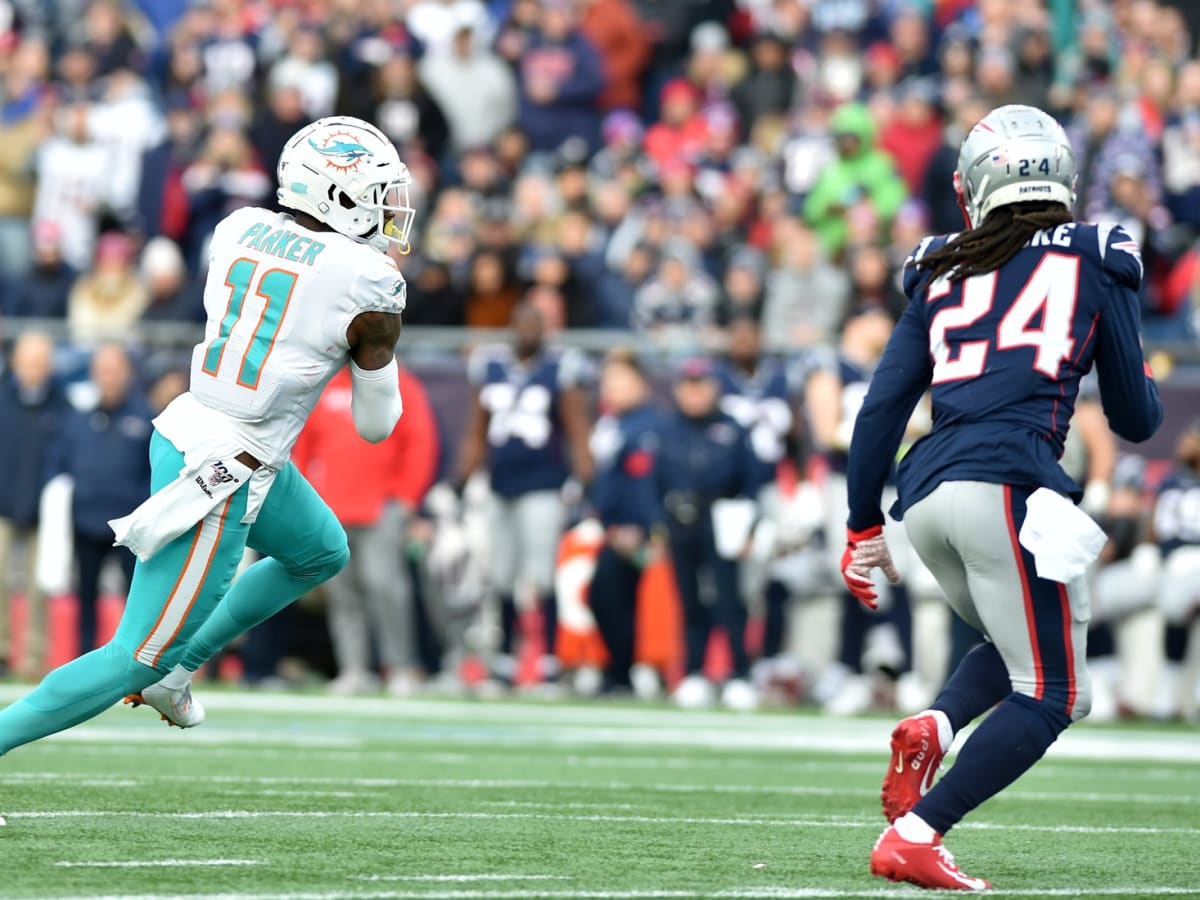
342,150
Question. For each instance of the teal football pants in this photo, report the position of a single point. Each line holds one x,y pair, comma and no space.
181,608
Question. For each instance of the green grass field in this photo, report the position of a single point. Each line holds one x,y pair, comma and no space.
310,797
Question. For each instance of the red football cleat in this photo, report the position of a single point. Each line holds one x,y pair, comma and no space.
916,754
925,865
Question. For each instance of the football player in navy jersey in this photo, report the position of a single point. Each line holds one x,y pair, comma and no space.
1176,530
759,393
1002,322
529,425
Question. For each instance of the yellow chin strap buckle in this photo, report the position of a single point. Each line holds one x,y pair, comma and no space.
390,230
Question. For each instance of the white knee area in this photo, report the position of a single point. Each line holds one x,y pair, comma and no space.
1180,590
1129,585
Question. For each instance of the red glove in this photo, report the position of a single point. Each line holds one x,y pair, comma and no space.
866,550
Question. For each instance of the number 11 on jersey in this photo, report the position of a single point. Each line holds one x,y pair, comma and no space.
275,286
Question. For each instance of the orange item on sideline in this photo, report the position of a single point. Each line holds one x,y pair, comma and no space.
355,477
578,643
659,632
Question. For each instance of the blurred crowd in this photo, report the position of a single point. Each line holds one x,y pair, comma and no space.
628,164
738,182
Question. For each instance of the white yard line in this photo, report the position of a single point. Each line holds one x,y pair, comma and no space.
791,790
871,823
154,863
493,876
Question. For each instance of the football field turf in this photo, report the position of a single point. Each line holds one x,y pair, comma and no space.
308,796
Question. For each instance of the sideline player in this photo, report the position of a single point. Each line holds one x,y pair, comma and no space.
291,299
1004,320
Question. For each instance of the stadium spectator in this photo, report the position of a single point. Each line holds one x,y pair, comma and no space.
1101,138
31,407
72,187
680,302
770,86
169,296
806,296
107,300
105,449
1181,149
945,215
561,79
374,490
281,117
679,136
43,291
473,87
403,110
862,174
619,36
22,127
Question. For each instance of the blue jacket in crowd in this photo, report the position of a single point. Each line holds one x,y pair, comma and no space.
29,420
107,452
624,491
701,460
578,75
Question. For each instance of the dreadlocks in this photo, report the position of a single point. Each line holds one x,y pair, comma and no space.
990,245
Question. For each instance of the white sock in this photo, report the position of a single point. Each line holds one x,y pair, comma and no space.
945,731
177,679
914,829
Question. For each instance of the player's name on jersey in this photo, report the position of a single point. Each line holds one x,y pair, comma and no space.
282,243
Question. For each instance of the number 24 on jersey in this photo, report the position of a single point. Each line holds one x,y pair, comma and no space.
1051,291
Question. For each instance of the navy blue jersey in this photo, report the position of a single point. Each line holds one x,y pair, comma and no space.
1177,512
525,437
624,448
702,460
1003,353
762,404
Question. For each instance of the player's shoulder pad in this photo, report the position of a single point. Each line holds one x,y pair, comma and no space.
378,284
1120,255
236,223
913,278
574,367
483,357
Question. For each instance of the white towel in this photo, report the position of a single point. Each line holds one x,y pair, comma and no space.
55,545
732,521
1063,539
174,509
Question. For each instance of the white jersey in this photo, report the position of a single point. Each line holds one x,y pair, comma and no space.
279,300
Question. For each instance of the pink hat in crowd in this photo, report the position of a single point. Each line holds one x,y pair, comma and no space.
114,247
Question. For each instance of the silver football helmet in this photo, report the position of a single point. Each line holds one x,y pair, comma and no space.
1014,154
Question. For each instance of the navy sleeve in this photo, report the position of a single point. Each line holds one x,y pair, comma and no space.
747,467
638,462
1127,390
902,377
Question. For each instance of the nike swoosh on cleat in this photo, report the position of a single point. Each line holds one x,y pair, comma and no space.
927,779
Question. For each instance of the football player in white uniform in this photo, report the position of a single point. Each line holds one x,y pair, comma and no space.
291,298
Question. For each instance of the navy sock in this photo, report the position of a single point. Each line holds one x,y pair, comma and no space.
979,683
1003,748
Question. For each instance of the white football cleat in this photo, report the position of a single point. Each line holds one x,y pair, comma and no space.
739,695
694,692
176,705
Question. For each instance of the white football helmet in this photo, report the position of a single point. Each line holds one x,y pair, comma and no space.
345,173
1014,154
